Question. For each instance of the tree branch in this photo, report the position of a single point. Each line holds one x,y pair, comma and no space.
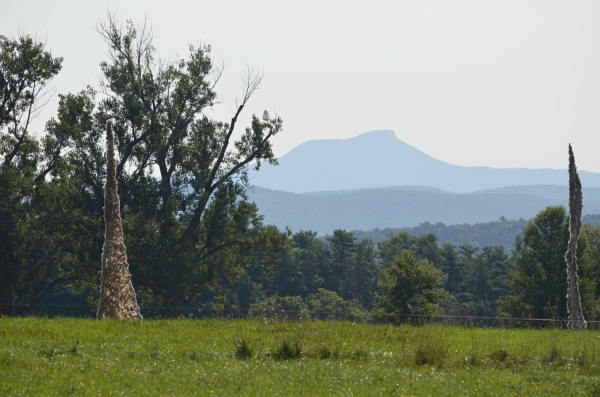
37,298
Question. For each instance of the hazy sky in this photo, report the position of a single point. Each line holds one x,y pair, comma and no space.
502,84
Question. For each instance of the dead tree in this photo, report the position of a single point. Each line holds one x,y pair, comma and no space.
117,296
576,319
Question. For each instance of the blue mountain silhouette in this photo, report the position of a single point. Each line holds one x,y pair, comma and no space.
379,159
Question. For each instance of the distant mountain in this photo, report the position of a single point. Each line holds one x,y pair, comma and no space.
405,206
377,159
547,191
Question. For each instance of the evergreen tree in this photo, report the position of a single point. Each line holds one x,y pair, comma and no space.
484,281
452,267
342,250
423,247
393,246
361,277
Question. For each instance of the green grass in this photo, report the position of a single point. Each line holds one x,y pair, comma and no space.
75,357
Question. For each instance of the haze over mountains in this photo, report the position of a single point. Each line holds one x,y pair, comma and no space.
375,180
367,209
378,159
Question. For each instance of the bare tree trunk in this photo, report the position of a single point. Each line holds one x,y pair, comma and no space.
576,319
117,296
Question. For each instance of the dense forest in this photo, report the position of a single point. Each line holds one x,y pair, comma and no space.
343,272
341,276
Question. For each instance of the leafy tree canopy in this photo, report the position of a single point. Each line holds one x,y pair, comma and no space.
27,247
538,282
411,286
182,176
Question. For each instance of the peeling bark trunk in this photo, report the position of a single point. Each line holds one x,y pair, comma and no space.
117,296
576,319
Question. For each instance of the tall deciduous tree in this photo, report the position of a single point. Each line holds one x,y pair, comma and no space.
182,176
26,68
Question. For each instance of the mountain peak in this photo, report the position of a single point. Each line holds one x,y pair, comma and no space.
378,159
387,134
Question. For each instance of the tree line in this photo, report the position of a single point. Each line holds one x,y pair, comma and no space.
407,275
501,232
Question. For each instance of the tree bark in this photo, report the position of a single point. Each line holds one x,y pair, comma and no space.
117,296
576,319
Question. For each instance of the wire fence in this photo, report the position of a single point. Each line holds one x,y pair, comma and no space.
272,314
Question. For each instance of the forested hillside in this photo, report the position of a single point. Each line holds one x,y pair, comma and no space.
479,235
408,206
501,232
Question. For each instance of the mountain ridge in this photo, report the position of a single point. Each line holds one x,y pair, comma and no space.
378,159
367,209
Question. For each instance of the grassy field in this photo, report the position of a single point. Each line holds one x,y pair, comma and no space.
76,357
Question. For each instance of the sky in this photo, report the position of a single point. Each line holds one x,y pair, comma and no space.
472,83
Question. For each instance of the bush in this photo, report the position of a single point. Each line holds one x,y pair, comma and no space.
431,348
325,351
287,350
325,304
499,355
286,307
243,349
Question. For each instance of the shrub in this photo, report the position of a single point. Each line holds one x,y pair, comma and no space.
325,304
499,355
286,307
287,350
324,352
243,349
360,353
431,348
554,356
